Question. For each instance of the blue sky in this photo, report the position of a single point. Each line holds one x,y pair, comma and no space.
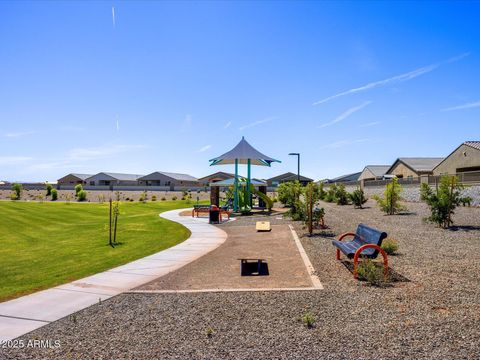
168,85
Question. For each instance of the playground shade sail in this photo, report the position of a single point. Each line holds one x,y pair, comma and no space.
242,153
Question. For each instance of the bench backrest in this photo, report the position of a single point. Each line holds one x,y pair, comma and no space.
367,235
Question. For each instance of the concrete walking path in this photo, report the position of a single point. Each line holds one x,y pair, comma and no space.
27,313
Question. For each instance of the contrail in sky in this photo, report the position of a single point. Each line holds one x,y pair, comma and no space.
113,16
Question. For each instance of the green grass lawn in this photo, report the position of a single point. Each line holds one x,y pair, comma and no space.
47,244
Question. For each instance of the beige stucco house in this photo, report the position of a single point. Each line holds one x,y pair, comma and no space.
373,172
464,158
413,167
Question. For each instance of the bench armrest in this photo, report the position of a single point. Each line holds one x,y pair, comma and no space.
345,235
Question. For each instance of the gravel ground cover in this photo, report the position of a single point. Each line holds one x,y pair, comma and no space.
435,315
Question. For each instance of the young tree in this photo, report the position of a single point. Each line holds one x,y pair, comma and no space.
17,189
289,194
341,195
358,198
390,203
49,188
311,196
78,188
442,201
54,194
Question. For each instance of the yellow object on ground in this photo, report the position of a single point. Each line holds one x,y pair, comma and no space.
263,226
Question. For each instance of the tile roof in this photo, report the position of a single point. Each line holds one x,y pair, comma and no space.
421,163
473,144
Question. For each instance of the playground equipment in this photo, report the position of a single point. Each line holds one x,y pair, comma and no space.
243,153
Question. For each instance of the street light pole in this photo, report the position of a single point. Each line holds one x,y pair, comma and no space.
298,164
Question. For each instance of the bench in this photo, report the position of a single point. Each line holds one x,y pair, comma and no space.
197,209
366,242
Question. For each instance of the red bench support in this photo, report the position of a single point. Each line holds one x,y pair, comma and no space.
359,252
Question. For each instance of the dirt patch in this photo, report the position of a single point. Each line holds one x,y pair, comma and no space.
220,269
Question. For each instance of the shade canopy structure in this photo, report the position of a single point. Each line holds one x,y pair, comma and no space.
243,153
241,182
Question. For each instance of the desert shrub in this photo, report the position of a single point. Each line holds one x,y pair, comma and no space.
318,214
82,195
54,194
466,201
358,198
289,193
390,246
443,201
390,202
184,193
308,319
341,195
49,188
78,188
174,198
321,191
154,198
17,191
131,200
163,198
142,197
373,274
330,194
183,198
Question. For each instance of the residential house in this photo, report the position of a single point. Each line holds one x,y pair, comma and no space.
218,176
345,179
413,167
373,172
289,176
112,179
162,178
72,180
464,158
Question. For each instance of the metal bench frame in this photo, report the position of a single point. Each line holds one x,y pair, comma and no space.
358,253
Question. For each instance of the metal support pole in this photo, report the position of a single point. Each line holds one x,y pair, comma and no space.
298,168
248,192
235,196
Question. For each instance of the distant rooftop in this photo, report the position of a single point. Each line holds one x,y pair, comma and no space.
176,176
123,177
81,176
378,170
420,163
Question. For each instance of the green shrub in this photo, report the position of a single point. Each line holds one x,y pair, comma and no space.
163,198
443,200
54,194
318,215
341,195
390,202
289,193
358,198
308,320
183,198
82,195
17,191
78,188
174,198
49,189
373,274
154,198
466,201
330,194
390,246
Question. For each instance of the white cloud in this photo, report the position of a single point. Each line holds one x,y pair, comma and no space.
464,106
227,125
257,123
393,80
373,123
343,143
205,148
346,114
13,160
19,134
105,151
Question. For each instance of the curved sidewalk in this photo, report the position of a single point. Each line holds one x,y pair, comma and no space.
22,315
